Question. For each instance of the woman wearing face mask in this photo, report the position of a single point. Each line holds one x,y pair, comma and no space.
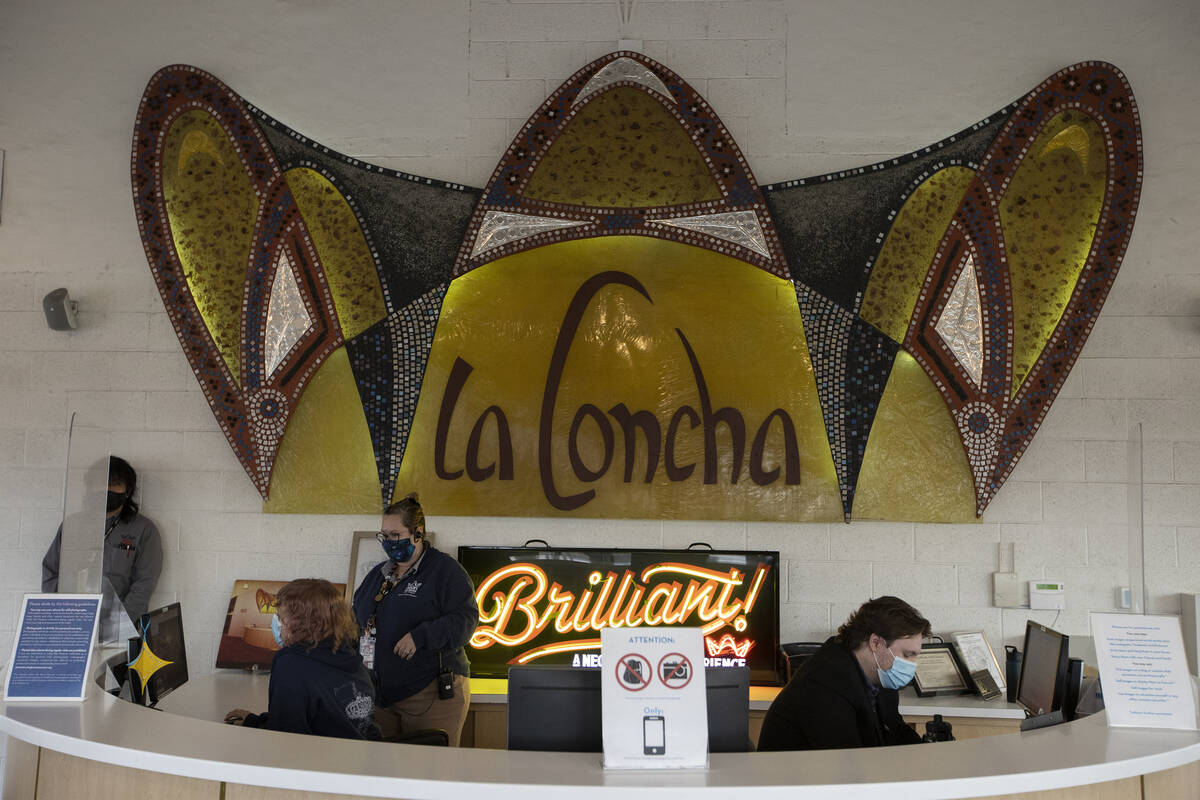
417,611
318,685
845,694
132,548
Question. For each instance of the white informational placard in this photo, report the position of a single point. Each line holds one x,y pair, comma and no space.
52,651
1143,671
654,699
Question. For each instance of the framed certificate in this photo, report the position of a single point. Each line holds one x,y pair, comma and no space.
977,654
939,671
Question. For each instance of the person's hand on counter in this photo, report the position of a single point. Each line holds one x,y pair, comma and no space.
237,716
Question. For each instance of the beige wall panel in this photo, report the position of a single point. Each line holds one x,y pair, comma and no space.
489,727
1171,784
235,791
20,770
1128,789
64,777
756,723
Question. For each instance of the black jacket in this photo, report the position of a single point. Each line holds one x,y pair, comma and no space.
826,706
435,602
320,692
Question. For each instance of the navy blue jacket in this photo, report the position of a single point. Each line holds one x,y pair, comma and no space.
826,705
320,692
435,602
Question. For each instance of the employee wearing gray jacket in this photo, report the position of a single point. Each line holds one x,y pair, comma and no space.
132,548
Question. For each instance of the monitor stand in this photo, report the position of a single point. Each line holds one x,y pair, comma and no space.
1042,721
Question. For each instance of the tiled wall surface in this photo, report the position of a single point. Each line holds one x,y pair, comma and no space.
440,89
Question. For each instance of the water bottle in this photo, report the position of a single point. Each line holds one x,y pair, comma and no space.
1012,670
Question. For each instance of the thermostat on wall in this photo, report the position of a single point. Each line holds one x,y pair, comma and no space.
1047,594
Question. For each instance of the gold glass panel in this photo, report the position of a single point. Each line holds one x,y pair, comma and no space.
914,467
1049,214
625,150
504,319
212,207
340,243
910,248
325,463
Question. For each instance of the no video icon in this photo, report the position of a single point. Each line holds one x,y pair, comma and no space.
675,670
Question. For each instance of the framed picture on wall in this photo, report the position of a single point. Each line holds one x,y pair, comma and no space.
365,553
939,671
246,638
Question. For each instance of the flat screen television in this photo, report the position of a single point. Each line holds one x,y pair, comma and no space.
559,709
1043,681
164,668
547,606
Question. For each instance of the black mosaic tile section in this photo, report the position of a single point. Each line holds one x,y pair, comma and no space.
388,360
870,356
827,332
414,226
832,226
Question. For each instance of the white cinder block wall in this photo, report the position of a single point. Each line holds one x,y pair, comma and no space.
439,89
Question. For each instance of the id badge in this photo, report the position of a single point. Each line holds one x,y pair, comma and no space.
366,649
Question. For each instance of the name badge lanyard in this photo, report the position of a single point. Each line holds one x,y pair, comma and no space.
366,642
384,589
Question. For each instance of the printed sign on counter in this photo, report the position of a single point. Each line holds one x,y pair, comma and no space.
1143,671
655,707
52,651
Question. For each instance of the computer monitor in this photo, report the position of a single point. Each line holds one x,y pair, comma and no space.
559,708
162,656
1043,681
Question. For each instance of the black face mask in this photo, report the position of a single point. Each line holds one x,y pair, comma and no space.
115,500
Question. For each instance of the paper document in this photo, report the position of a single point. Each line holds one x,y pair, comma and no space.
1143,671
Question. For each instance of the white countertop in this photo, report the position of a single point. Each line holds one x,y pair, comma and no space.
183,742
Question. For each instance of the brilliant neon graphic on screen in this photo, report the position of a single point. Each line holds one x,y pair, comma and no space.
518,602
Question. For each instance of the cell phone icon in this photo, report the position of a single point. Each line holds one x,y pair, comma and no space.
654,735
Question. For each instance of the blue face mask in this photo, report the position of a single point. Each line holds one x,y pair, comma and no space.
399,550
899,674
276,630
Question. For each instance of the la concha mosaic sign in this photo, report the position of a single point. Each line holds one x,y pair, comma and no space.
623,322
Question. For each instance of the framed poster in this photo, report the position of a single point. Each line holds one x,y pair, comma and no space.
246,638
939,671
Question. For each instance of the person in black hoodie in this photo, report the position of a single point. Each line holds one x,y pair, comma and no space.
417,610
845,694
318,682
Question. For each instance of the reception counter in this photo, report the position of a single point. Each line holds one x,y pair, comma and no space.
103,747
